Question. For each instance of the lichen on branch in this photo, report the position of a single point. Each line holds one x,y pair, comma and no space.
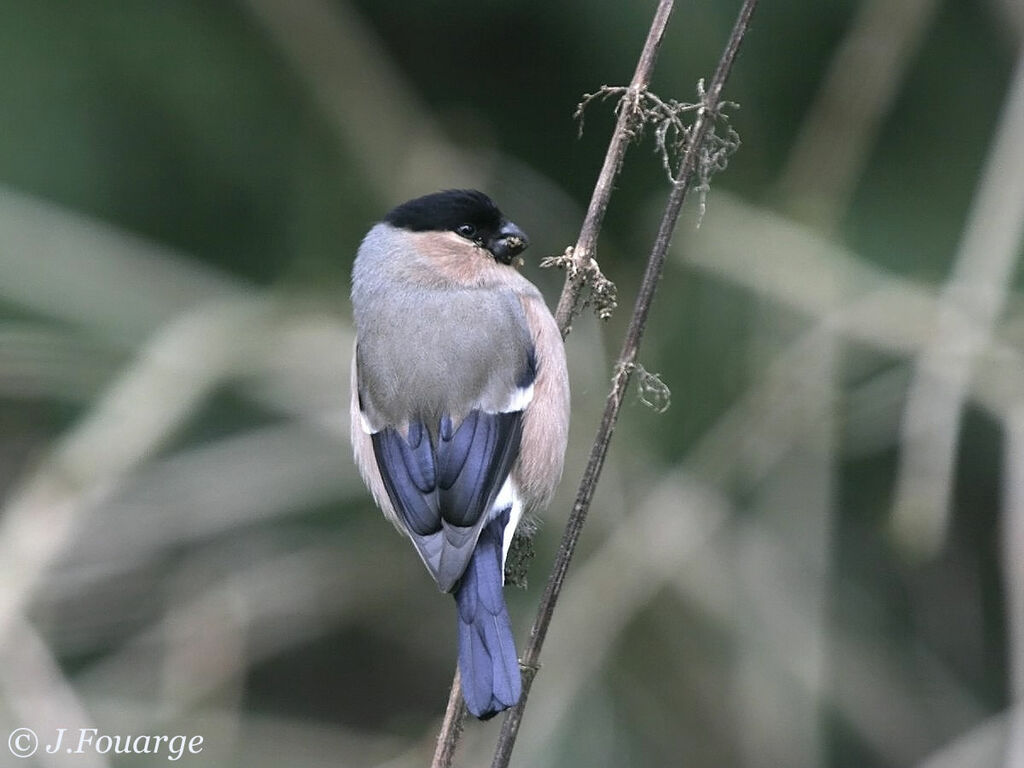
586,273
672,131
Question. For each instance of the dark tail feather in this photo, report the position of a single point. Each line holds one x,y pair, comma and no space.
491,680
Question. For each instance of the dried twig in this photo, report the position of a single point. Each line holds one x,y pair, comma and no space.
695,162
672,134
690,155
583,268
451,726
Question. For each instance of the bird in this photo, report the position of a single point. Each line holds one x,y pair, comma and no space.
460,408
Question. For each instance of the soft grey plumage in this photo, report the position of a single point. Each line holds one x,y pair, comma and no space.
415,332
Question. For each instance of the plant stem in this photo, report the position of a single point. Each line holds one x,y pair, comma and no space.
624,367
451,726
586,243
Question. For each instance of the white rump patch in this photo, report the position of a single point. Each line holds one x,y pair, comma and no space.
519,400
507,497
365,424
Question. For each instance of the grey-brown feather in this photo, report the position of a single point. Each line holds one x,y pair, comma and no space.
546,420
428,349
442,329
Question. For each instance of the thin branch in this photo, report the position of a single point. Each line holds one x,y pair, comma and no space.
451,726
689,171
583,265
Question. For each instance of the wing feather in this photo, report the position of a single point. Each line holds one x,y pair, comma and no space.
443,489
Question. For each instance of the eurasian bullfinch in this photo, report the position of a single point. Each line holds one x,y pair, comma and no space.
460,408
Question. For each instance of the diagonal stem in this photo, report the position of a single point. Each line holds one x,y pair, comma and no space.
451,726
584,263
623,370
586,243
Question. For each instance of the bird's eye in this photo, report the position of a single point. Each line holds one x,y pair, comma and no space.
466,230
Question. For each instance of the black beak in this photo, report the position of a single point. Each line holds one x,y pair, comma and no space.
508,243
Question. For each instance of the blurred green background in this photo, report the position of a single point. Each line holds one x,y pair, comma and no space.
814,558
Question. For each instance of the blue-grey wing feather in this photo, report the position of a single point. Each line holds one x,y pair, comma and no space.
472,468
407,469
443,488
